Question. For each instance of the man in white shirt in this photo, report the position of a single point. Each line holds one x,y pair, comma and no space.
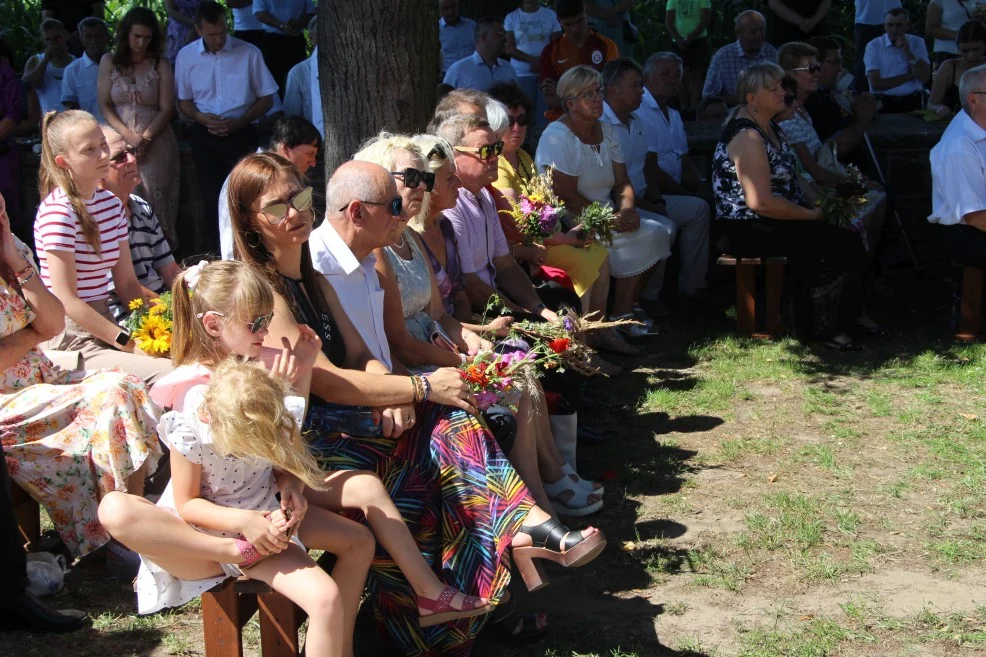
897,64
246,27
44,72
224,87
684,216
483,68
284,43
456,33
81,76
298,90
958,173
868,26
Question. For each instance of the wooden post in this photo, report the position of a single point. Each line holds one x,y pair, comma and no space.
221,621
746,294
279,622
971,305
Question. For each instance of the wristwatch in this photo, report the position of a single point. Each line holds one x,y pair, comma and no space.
123,338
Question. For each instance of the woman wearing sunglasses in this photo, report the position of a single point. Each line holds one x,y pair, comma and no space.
762,212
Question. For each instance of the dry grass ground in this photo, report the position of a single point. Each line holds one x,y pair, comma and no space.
768,500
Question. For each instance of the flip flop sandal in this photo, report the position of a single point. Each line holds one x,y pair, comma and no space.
443,612
553,541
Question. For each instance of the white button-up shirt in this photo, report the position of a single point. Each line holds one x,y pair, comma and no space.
958,172
298,88
356,284
633,143
883,56
79,85
225,83
244,20
457,40
665,135
282,10
474,73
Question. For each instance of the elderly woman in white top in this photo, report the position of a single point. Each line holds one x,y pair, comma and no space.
589,167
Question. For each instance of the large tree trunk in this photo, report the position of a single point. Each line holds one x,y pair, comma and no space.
378,63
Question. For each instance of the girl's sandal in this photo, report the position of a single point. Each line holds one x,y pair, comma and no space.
251,557
576,505
555,542
441,610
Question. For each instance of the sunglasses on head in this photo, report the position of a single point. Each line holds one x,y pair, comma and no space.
277,212
438,151
396,205
414,177
256,325
485,152
521,120
121,157
811,68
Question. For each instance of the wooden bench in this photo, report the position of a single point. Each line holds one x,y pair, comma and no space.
227,607
746,293
970,307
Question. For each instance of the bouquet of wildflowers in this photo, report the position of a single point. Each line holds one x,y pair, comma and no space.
151,326
843,202
537,213
597,221
566,339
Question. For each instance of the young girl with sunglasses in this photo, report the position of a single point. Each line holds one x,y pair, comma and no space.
82,240
235,447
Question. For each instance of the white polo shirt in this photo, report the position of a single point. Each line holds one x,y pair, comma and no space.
457,40
883,56
79,84
633,142
282,10
665,135
226,83
872,12
356,284
958,172
474,73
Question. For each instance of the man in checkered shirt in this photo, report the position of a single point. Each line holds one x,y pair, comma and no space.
732,59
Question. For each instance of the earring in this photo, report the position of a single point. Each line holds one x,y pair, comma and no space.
249,234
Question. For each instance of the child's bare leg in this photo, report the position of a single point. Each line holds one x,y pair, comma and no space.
165,539
523,455
293,574
354,489
353,546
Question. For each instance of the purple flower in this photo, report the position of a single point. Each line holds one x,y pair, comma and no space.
526,206
547,224
568,324
514,357
485,399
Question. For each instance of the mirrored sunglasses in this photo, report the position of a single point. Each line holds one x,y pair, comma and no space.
276,212
256,326
484,152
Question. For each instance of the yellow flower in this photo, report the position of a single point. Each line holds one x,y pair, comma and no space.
158,308
135,304
154,335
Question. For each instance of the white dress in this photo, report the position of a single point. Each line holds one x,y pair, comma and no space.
634,252
233,482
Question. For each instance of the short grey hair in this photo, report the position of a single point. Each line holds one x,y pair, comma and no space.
346,185
749,13
972,80
497,116
454,129
651,64
576,81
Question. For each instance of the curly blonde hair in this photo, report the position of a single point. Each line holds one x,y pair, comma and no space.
249,420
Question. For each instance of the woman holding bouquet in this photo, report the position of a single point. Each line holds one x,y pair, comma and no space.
761,212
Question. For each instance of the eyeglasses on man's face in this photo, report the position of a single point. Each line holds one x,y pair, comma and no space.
277,212
485,151
396,205
122,156
810,68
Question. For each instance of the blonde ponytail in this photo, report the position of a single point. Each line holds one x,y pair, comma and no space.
248,419
54,125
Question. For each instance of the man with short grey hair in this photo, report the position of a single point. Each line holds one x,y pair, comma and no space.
958,172
734,58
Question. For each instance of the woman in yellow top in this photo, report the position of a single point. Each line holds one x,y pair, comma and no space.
585,261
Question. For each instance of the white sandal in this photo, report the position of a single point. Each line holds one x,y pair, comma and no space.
578,504
584,484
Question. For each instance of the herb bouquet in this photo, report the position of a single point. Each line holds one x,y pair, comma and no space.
843,202
151,326
566,339
597,221
537,213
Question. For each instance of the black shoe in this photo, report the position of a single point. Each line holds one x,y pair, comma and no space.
26,612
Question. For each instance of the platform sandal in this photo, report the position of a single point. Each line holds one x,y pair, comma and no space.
555,542
443,612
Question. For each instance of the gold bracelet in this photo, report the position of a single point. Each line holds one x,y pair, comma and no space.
417,392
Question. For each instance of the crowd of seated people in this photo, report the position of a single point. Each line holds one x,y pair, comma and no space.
325,334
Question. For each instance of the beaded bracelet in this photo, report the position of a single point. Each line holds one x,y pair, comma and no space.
24,281
427,386
418,388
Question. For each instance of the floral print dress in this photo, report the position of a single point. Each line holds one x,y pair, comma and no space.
70,437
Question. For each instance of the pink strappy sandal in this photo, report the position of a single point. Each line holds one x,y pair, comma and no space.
443,612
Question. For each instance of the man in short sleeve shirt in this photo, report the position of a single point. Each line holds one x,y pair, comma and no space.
734,58
484,68
456,33
82,76
224,86
958,172
897,65
577,45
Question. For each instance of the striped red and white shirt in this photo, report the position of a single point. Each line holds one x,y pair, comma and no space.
57,228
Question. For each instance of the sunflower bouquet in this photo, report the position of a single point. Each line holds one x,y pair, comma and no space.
150,326
843,202
537,213
597,221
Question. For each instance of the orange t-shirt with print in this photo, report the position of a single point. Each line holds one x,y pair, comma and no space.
562,54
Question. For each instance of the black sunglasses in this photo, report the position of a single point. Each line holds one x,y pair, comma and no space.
414,177
811,68
396,205
438,151
121,157
522,120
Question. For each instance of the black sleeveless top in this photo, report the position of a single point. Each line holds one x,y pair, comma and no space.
333,346
952,100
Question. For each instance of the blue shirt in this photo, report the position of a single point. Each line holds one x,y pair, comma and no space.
282,10
79,85
473,73
457,40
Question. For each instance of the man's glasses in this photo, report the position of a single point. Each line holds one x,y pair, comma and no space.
276,212
396,205
789,100
256,326
811,68
485,152
521,120
122,156
414,177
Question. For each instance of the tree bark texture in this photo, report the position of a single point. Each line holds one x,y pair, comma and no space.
378,63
